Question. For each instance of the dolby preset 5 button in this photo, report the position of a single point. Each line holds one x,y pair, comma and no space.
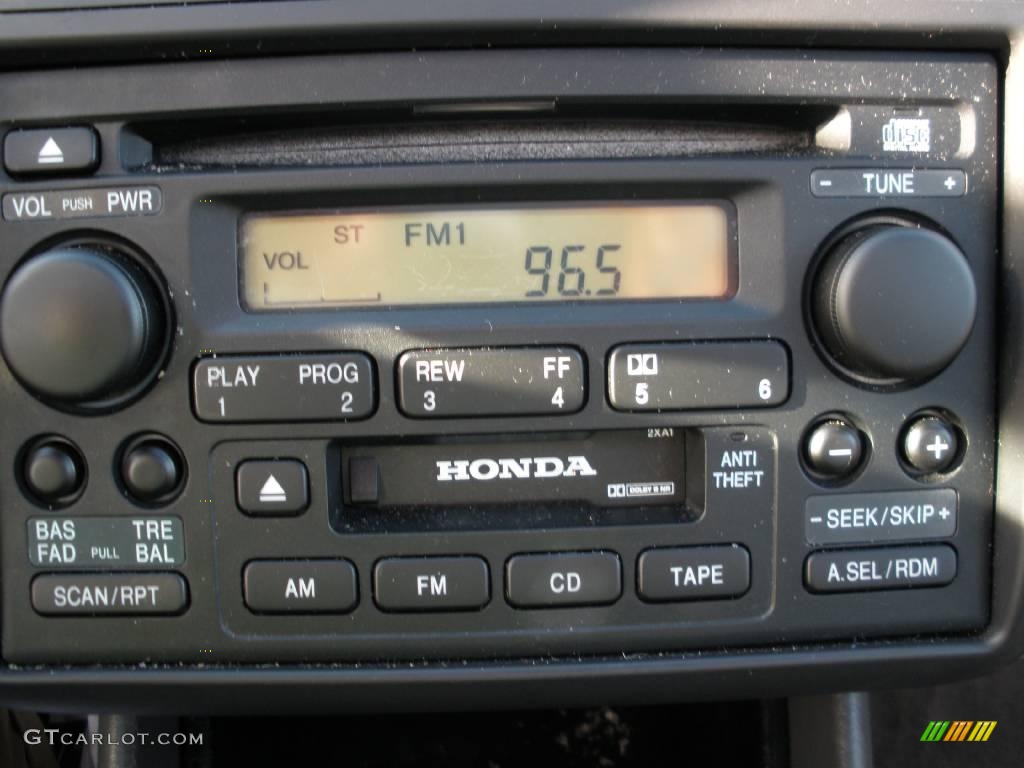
696,375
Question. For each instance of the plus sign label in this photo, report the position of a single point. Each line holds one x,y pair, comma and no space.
860,518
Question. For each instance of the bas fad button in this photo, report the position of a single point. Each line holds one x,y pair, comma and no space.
272,487
300,586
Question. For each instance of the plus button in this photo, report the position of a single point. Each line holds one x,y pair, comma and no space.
937,448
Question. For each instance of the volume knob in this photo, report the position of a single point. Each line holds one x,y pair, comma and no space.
894,303
84,325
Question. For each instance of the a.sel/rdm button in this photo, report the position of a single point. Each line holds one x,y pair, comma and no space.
859,570
513,381
109,594
265,388
677,377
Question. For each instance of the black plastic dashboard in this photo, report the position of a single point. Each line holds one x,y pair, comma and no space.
813,511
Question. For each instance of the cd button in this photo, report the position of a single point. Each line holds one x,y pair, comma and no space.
431,583
563,579
300,586
272,488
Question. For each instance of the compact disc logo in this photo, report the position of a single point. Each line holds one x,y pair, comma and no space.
514,469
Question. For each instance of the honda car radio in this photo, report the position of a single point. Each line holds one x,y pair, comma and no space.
345,362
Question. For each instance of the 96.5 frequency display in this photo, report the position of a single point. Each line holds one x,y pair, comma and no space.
486,255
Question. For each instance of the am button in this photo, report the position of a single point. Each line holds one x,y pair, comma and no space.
300,586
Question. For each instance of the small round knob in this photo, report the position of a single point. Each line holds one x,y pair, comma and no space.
151,470
930,444
83,325
894,303
833,449
53,470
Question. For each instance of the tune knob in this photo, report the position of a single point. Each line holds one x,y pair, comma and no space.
84,325
893,302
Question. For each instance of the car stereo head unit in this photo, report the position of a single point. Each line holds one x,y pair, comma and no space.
336,364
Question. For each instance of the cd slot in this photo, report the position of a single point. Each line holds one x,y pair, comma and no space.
475,132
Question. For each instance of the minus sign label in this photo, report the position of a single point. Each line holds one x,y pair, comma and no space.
815,519
825,182
841,452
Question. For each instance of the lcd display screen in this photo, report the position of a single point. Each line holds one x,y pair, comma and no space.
421,256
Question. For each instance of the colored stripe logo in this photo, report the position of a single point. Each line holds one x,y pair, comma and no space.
958,730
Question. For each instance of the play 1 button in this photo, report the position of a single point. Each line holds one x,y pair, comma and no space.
272,487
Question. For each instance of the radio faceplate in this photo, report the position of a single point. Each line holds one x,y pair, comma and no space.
777,532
